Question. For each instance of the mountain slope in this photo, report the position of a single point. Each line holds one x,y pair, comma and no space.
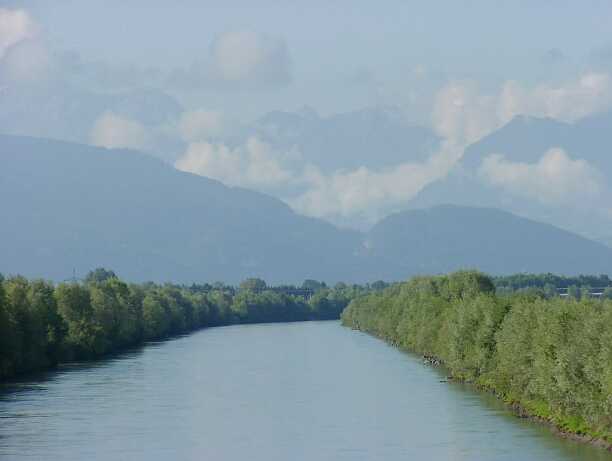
525,140
447,238
72,206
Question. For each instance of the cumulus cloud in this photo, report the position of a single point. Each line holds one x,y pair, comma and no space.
367,193
253,165
361,193
240,60
554,179
201,124
463,113
23,56
15,26
114,131
591,93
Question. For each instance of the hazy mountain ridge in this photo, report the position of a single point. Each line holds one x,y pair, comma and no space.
446,238
525,140
376,137
73,206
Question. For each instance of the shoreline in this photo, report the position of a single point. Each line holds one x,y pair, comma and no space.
516,408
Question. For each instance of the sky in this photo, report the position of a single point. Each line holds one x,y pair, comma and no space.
179,79
330,43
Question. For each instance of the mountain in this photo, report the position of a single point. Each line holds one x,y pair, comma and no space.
373,138
526,140
73,206
68,205
446,238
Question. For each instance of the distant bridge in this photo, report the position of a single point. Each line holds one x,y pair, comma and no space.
304,293
596,292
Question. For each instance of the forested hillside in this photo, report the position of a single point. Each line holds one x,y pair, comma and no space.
552,358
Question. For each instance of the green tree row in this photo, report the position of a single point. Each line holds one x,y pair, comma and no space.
522,281
42,324
550,357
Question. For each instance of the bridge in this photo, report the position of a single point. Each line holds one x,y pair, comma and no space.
594,292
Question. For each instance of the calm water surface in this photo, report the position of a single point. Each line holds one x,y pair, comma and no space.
302,391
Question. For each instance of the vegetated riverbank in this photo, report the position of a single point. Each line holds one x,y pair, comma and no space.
42,324
550,359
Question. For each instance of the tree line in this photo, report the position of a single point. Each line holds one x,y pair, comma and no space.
43,324
549,357
549,285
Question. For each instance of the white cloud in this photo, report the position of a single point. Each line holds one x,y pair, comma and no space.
15,26
554,179
23,56
341,196
200,125
591,93
464,114
240,60
240,56
461,114
253,165
114,131
370,194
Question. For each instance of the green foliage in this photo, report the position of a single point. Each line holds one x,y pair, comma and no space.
552,356
42,325
313,285
100,275
253,284
520,281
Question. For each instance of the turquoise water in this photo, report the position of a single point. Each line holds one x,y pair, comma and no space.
300,391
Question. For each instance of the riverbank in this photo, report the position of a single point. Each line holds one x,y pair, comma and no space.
43,324
549,360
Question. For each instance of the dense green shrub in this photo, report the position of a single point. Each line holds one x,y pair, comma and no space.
42,324
552,356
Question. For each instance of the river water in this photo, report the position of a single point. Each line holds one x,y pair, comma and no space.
301,391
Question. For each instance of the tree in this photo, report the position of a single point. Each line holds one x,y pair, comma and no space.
86,337
8,341
378,285
155,316
573,292
253,284
99,275
43,306
313,285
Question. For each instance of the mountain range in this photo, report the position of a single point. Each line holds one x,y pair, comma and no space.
70,206
375,137
523,142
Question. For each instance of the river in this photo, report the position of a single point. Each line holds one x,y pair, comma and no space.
300,391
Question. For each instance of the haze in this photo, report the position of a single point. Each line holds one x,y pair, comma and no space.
191,82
